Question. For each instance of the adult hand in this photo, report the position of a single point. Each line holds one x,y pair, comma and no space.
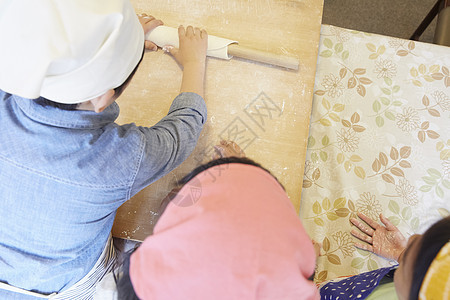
386,241
148,24
193,45
228,149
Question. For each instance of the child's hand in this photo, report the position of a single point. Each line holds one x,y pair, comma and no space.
228,149
193,45
148,24
317,247
386,241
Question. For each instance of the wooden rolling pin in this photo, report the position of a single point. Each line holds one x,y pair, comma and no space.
289,62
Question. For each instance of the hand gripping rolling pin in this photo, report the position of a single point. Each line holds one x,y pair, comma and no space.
223,48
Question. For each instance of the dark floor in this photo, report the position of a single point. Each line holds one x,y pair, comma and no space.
398,18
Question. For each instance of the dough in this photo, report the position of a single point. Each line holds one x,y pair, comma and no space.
168,36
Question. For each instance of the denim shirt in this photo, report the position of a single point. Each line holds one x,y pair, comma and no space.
63,174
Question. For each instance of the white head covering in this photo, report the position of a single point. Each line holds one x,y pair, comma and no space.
68,51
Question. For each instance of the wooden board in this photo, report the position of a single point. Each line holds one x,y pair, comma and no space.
265,109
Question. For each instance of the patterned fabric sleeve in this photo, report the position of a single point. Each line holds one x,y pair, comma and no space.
354,287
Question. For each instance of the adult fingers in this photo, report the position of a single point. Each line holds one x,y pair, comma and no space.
369,221
362,237
364,247
387,223
367,230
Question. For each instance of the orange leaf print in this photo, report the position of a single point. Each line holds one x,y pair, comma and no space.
351,82
307,183
425,125
316,174
405,164
361,90
421,136
434,112
376,165
358,128
383,159
334,259
437,76
405,151
326,244
394,153
388,178
355,118
397,172
322,276
432,134
360,172
445,71
346,123
365,80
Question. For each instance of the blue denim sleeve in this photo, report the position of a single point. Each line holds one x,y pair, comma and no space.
170,141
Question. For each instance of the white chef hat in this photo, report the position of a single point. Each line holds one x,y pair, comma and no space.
68,51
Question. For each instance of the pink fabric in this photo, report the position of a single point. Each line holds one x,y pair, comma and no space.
230,233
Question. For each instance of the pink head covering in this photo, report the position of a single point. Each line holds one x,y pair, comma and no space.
230,233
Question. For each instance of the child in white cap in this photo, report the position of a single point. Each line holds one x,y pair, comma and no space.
65,166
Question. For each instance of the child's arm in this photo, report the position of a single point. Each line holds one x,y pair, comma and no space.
192,57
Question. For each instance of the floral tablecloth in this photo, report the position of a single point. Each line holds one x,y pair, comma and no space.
379,142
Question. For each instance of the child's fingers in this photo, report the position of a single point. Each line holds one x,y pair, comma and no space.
237,149
172,50
317,247
203,34
181,31
220,152
147,19
189,31
149,26
150,46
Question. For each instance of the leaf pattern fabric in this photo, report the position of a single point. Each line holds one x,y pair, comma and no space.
379,142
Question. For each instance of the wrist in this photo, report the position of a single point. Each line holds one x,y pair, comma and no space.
399,254
194,65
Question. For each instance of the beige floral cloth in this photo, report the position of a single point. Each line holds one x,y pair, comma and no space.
379,142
